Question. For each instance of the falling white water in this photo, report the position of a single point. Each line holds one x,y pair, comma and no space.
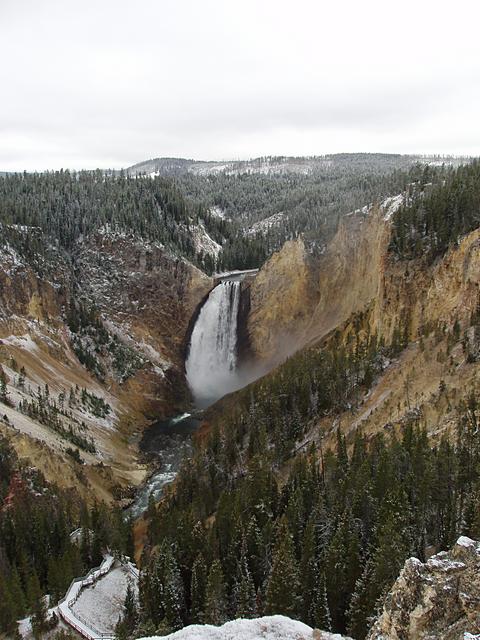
212,358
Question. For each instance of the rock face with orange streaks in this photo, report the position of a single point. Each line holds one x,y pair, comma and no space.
300,295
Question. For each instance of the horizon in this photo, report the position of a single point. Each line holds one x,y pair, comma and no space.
102,85
420,156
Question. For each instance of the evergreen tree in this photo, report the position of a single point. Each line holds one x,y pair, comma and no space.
283,589
244,596
128,623
173,593
320,611
3,386
215,598
39,608
198,590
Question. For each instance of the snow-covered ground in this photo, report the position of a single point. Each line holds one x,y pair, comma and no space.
94,603
100,605
265,225
388,207
267,628
391,205
203,242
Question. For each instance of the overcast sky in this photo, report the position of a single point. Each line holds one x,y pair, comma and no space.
110,83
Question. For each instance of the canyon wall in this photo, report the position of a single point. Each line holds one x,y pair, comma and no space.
298,297
144,298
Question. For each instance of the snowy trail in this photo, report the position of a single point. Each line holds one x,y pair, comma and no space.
93,603
65,606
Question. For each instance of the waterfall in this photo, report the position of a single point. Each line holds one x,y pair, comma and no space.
212,358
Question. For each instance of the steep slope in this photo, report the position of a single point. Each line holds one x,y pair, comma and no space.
298,298
130,345
300,295
308,489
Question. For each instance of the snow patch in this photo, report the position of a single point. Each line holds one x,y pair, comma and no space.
203,242
266,628
263,226
23,342
391,206
100,605
463,541
218,212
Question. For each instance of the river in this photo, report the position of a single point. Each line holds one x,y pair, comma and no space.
165,443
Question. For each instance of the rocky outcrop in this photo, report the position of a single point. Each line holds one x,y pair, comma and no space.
147,297
266,628
422,295
142,287
282,297
438,599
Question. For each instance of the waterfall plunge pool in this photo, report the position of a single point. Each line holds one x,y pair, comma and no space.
211,370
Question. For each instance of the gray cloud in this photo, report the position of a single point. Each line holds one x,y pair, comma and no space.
108,84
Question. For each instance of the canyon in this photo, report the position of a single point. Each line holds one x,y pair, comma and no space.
153,303
131,375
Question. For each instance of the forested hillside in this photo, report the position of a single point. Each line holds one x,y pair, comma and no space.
432,219
307,195
321,536
61,208
284,509
292,503
37,555
67,207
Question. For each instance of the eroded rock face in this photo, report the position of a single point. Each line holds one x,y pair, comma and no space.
145,297
297,298
438,599
282,297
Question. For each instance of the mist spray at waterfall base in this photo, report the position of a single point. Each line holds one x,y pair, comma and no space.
211,366
213,371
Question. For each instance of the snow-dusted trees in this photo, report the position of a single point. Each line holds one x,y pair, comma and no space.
319,543
198,590
37,555
215,597
434,217
162,591
283,588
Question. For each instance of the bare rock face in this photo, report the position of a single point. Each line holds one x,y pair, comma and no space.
281,300
148,293
438,599
297,298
